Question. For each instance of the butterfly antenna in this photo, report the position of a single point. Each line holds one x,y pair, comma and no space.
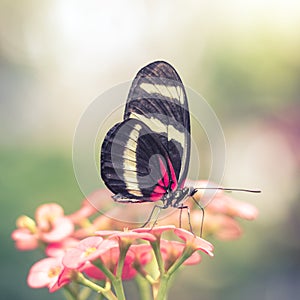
227,189
217,188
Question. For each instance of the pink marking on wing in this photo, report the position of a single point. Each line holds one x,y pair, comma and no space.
164,181
160,190
156,196
174,184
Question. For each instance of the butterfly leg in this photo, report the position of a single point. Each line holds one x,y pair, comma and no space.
151,214
180,217
202,209
189,216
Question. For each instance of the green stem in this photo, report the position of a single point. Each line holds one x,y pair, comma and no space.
145,275
117,281
95,287
185,255
84,293
98,263
156,248
118,286
69,293
123,252
163,287
143,287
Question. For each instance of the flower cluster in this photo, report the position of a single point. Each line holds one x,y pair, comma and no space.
99,253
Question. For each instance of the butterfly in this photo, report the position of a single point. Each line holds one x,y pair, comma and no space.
145,158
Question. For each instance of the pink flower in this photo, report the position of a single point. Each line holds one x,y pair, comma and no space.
110,260
25,236
226,205
142,254
59,248
46,213
45,273
60,229
137,255
53,226
194,241
88,249
24,239
172,250
222,226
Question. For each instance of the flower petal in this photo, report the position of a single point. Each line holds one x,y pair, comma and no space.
195,242
46,213
130,236
88,249
142,252
24,239
60,248
44,273
156,231
61,228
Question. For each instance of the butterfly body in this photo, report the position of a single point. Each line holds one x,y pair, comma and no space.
145,158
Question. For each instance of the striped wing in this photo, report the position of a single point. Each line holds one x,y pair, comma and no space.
158,98
147,155
134,163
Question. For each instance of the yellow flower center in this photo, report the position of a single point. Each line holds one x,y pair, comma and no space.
53,272
90,251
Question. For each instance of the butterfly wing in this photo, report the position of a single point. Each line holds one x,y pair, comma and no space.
157,97
134,163
147,155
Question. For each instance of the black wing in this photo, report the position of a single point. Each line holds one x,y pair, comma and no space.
147,155
135,164
158,98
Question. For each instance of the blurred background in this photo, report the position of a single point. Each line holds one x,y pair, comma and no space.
241,56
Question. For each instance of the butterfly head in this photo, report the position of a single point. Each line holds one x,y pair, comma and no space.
178,197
